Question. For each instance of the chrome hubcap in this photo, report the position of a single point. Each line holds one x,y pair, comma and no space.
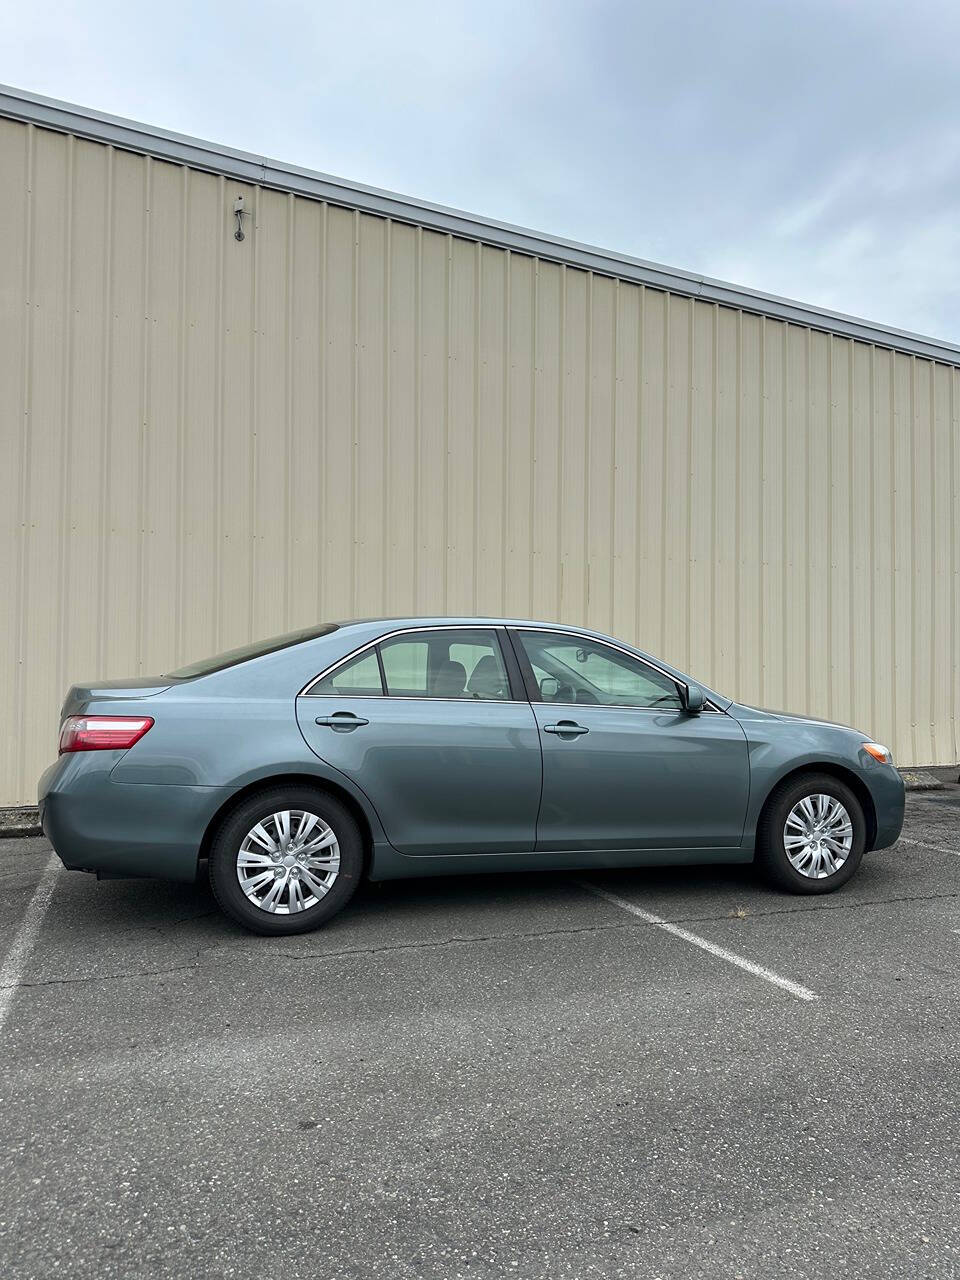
288,862
818,836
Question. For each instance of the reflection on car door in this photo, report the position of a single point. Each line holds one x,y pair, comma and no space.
427,724
629,776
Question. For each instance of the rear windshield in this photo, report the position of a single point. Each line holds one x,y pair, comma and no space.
247,651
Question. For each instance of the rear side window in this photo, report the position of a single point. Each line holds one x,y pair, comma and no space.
405,663
451,663
231,657
357,678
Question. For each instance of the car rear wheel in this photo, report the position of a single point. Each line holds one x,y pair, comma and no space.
286,860
811,835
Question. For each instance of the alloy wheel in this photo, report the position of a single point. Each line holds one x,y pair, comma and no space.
288,861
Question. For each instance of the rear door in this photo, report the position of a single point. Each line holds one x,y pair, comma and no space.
624,765
433,727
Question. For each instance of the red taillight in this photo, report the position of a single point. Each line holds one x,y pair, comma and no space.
102,733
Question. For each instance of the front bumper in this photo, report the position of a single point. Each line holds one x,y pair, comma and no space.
123,829
889,801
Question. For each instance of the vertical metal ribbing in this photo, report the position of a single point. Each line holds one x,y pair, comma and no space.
612,479
386,441
447,320
505,549
288,340
871,530
418,403
182,408
785,691
254,410
324,345
807,520
641,431
475,403
535,340
218,424
105,530
918,504
354,481
954,563
737,508
66,419
129,411
24,494
144,452
664,428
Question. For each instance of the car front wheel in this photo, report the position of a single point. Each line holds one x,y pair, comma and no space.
286,860
811,835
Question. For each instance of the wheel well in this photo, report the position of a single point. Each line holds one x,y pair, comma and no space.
855,784
300,779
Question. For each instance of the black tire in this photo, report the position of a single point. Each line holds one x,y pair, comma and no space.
228,839
772,859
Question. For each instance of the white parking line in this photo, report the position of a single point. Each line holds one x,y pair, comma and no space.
794,988
925,844
19,953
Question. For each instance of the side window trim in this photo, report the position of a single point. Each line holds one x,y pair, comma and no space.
533,689
504,647
346,661
496,634
523,683
530,686
514,666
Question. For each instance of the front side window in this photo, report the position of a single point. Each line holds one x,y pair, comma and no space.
451,663
574,669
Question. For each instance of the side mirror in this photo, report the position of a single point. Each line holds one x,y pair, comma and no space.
693,699
549,688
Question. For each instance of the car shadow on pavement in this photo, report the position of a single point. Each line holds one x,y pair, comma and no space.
403,911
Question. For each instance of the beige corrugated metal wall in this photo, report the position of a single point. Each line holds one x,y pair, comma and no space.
206,441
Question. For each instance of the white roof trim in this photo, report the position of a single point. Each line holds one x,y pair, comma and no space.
242,166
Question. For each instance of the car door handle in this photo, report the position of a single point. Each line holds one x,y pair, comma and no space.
342,720
564,727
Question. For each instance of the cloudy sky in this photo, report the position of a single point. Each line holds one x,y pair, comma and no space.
809,148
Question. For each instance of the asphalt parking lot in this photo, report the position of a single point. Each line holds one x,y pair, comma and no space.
487,1077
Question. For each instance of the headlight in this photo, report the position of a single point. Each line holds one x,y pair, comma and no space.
883,755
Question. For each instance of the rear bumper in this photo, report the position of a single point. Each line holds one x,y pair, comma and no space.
123,829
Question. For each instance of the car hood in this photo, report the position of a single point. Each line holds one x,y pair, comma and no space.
764,713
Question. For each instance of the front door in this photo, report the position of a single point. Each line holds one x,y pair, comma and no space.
624,765
426,723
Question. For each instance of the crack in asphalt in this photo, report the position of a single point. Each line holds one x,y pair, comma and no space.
812,910
540,934
231,949
103,977
431,943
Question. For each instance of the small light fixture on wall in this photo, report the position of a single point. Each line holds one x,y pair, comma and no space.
239,211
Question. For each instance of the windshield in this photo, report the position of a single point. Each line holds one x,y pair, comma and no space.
257,649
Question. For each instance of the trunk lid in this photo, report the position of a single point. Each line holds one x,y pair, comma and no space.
80,696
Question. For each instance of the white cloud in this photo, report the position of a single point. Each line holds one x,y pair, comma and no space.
809,150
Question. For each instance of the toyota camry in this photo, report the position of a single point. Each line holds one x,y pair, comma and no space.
296,767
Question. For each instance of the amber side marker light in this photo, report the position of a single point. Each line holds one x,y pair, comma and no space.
883,755
102,733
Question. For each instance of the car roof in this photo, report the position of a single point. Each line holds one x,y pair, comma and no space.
463,620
